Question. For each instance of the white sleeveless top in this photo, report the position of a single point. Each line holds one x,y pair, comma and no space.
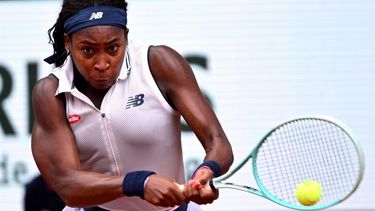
135,128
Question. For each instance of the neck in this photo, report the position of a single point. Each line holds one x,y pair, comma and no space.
95,95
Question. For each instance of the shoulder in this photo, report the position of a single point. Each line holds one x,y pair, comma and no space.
45,87
44,98
49,81
171,72
163,52
164,58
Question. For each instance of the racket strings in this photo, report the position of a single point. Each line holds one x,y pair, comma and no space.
341,176
332,172
345,155
308,150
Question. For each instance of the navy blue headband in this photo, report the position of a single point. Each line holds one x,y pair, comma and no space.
96,16
91,16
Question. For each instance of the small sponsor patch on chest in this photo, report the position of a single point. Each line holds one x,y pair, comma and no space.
74,118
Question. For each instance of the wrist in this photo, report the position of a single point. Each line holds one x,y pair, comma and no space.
134,183
212,165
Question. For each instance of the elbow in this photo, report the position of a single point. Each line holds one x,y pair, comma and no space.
72,200
64,189
69,194
69,201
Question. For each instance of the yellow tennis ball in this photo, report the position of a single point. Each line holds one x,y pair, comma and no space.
308,192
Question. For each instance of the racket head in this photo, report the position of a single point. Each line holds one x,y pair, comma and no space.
318,148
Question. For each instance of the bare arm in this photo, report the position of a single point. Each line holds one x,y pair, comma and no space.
176,81
53,147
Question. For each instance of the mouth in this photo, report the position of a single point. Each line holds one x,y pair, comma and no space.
101,82
101,79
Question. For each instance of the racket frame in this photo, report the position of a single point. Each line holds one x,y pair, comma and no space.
220,182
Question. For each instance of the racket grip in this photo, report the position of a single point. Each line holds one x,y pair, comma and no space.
180,186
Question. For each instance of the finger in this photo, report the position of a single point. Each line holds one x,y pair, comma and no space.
190,192
187,192
161,200
194,186
209,194
197,185
178,193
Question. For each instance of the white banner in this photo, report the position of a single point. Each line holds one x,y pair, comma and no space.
259,62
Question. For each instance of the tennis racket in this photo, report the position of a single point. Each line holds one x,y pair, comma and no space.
309,148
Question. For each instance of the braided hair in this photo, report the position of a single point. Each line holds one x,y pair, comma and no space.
69,8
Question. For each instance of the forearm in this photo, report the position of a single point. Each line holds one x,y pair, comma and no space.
220,151
84,189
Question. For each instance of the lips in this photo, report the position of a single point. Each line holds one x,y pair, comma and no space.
101,78
101,83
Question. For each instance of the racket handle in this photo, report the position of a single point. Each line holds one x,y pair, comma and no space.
180,186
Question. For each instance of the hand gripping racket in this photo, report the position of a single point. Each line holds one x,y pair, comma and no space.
310,148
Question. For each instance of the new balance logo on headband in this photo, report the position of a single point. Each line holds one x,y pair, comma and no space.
96,15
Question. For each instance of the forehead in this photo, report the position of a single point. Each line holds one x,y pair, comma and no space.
100,33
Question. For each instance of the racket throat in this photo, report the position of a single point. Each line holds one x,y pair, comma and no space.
244,188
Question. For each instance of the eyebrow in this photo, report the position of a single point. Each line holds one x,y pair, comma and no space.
91,42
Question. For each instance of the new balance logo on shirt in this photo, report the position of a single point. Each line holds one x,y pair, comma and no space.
135,101
96,15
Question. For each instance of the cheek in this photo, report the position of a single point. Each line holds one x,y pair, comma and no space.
117,66
83,68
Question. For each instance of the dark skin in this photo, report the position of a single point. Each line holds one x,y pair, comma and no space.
98,53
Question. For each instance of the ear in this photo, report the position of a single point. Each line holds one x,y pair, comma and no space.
67,42
126,32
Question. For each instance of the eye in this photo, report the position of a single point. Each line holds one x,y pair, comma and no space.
113,49
88,51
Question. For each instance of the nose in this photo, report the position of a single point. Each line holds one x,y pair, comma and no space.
102,63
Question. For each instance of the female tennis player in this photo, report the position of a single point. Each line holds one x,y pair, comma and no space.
107,130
